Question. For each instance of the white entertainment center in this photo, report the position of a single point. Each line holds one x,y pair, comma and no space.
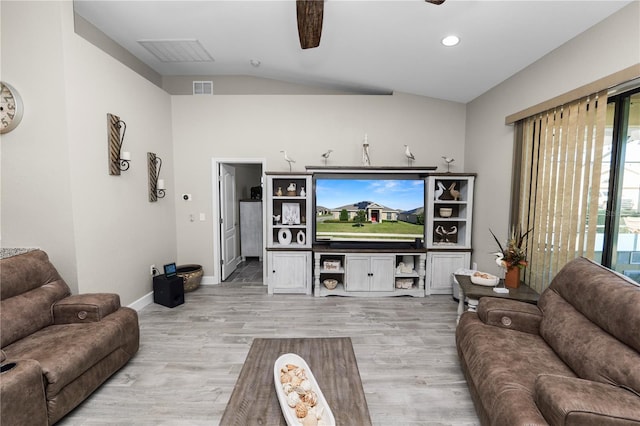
299,261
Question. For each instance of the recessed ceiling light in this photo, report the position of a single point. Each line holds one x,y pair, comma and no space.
450,40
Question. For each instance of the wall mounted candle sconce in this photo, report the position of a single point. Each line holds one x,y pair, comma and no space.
118,160
156,186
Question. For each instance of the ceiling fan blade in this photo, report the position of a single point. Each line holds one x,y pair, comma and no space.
310,14
435,1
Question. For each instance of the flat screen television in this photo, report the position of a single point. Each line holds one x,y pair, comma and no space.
361,211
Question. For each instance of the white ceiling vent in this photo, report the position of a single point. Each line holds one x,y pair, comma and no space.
203,87
189,50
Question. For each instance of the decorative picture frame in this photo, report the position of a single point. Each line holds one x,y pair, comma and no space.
290,214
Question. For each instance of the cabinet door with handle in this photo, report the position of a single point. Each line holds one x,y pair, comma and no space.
369,273
382,268
289,272
358,273
441,267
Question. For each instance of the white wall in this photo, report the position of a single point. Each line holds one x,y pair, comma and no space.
100,230
610,46
36,180
306,126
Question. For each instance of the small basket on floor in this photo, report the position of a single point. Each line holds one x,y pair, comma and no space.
191,275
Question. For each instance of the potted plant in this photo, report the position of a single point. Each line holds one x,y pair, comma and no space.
513,256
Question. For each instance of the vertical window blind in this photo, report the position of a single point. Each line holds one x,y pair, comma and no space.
560,174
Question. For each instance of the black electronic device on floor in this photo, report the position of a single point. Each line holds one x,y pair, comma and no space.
168,291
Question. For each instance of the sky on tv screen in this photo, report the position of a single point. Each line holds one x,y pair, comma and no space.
396,194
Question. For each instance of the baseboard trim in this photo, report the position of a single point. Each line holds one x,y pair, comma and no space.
209,280
145,300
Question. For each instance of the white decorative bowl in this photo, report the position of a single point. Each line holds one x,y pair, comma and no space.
326,416
445,211
488,282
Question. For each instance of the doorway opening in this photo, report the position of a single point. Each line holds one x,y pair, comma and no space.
239,235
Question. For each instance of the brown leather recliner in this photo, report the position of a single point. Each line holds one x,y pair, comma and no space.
572,360
56,348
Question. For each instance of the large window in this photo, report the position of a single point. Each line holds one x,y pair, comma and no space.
619,198
579,185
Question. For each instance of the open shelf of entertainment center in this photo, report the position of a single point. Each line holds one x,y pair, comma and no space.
288,244
363,272
448,226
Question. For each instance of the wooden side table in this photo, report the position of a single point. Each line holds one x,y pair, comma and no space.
474,292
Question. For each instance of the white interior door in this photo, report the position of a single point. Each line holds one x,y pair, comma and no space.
228,221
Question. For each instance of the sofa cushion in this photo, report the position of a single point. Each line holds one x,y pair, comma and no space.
578,402
26,313
67,351
579,332
29,286
503,365
25,272
586,284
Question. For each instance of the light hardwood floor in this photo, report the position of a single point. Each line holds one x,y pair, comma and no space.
190,356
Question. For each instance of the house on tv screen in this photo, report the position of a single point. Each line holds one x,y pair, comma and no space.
375,212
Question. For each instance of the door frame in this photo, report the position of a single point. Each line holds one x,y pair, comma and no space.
215,184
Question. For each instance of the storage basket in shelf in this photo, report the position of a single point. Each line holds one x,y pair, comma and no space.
330,283
404,283
331,265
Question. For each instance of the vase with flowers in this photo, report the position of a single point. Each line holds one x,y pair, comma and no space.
513,256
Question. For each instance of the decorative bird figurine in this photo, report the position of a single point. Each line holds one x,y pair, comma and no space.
454,192
499,259
366,159
409,155
444,234
439,191
288,159
326,156
448,160
452,231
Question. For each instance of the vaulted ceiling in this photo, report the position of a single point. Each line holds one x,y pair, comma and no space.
366,45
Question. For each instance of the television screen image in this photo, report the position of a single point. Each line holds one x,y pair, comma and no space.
357,209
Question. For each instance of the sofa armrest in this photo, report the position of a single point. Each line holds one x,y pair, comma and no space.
573,401
511,314
84,308
22,400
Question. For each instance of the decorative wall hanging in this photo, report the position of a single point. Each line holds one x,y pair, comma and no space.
156,186
118,160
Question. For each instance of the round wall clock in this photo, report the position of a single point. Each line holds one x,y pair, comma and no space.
11,108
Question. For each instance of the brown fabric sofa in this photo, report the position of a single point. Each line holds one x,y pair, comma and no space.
572,360
63,347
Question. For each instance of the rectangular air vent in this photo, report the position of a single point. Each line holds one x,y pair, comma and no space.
189,50
203,87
